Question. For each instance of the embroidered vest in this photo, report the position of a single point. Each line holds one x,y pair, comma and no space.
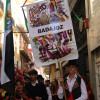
76,90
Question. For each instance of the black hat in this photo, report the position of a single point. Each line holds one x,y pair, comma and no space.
47,81
72,62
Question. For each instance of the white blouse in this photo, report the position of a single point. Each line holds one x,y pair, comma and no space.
60,93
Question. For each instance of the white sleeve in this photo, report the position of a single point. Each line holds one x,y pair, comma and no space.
49,93
60,93
84,95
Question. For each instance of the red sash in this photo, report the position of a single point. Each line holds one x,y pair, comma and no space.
71,96
23,96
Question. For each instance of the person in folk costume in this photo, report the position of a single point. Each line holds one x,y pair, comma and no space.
57,91
75,87
20,93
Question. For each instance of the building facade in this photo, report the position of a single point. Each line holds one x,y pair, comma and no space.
22,57
93,37
88,40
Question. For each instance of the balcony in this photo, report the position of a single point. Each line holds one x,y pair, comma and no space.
24,34
24,51
26,37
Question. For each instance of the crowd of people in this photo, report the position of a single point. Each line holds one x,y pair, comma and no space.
35,87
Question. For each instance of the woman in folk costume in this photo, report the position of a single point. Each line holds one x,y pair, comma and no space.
57,91
21,94
74,85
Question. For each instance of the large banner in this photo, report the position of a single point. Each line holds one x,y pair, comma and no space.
51,32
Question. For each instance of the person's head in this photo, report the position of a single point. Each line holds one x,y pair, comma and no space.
27,79
40,78
47,83
72,67
55,83
19,86
33,75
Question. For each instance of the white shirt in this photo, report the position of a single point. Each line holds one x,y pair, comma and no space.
49,93
35,83
84,95
60,93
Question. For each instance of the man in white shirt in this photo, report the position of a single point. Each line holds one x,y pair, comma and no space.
49,93
74,85
47,84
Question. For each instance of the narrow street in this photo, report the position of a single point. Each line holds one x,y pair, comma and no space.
49,50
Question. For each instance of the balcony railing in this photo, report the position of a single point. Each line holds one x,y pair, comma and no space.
24,48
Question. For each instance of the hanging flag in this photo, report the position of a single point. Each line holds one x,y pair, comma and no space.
7,68
25,20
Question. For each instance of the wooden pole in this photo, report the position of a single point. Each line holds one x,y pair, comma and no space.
62,83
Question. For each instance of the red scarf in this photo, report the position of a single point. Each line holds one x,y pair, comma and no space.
23,96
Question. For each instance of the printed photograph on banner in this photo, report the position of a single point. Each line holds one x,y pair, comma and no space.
48,49
47,12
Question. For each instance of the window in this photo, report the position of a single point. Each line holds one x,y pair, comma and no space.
98,80
97,69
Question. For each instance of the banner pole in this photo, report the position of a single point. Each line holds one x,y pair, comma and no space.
62,83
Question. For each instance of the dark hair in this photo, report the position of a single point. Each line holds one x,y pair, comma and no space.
71,62
18,80
47,81
56,81
39,77
33,72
